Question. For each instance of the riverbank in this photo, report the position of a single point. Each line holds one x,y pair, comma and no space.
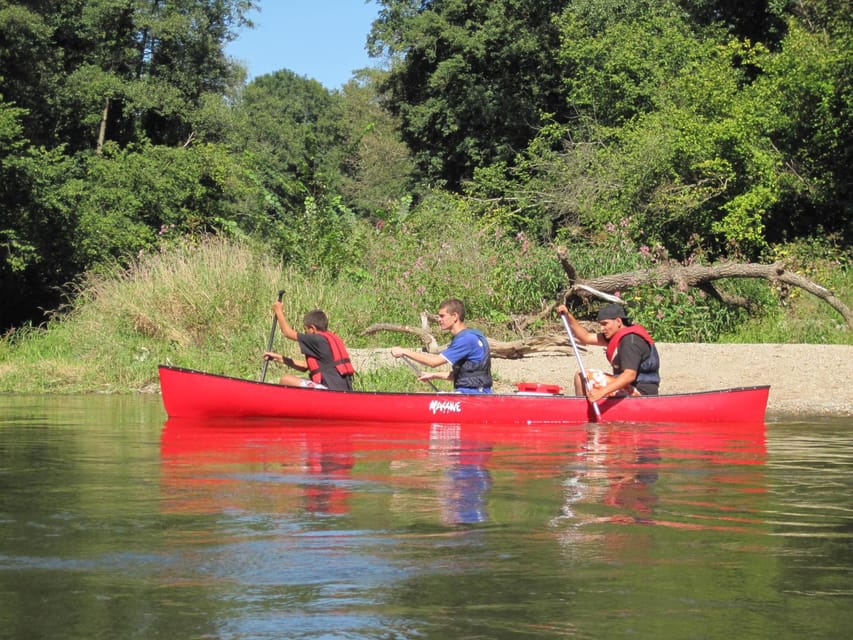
804,379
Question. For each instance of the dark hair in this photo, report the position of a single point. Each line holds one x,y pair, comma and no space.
316,319
613,311
454,306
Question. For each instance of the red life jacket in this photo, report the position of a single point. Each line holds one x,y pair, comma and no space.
613,343
649,371
340,358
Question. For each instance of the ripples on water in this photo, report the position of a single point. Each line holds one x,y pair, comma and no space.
117,526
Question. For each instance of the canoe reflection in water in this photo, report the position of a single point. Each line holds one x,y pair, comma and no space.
234,466
330,468
423,473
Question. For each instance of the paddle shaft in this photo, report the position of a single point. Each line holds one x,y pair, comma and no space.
272,338
418,371
581,368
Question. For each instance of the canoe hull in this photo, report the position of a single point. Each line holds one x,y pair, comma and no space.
195,394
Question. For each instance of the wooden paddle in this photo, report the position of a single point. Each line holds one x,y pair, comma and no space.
414,368
581,368
272,337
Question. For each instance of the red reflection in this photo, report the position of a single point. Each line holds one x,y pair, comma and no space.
210,466
214,466
700,477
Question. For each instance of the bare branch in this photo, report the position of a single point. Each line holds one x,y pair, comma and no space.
701,276
683,277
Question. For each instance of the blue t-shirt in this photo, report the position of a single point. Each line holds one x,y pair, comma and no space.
465,344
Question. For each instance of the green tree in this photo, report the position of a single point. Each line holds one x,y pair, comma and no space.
126,200
756,21
30,66
89,76
34,230
301,144
621,60
469,78
803,103
291,122
88,71
378,168
696,138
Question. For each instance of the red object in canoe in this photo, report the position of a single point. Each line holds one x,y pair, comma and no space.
194,394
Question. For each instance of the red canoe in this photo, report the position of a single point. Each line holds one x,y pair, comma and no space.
194,394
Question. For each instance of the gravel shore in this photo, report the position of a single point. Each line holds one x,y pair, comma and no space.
804,379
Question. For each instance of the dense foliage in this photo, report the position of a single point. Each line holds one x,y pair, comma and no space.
472,78
677,129
99,100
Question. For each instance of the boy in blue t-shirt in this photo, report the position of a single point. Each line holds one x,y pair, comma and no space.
468,353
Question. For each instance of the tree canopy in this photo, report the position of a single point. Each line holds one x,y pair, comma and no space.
471,79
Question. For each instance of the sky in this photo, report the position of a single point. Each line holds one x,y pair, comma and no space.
320,39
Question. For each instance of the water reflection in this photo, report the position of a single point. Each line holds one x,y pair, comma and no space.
687,476
210,466
613,470
465,477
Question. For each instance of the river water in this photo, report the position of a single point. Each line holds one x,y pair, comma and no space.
115,523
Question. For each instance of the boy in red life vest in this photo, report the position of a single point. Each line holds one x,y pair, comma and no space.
326,359
630,351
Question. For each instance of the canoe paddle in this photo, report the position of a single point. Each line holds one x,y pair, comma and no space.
581,368
417,371
272,337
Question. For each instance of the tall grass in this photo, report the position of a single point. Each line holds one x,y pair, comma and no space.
799,316
440,251
204,304
201,301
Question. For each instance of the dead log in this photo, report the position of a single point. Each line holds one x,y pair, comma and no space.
534,344
427,339
702,277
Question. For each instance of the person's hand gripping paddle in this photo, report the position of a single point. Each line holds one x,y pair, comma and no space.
417,371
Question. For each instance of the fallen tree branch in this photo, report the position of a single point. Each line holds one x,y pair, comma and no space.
427,339
534,344
701,276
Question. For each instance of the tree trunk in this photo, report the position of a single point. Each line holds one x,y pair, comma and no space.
102,131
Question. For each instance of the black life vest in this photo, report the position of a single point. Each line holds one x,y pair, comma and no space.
340,358
474,375
649,371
